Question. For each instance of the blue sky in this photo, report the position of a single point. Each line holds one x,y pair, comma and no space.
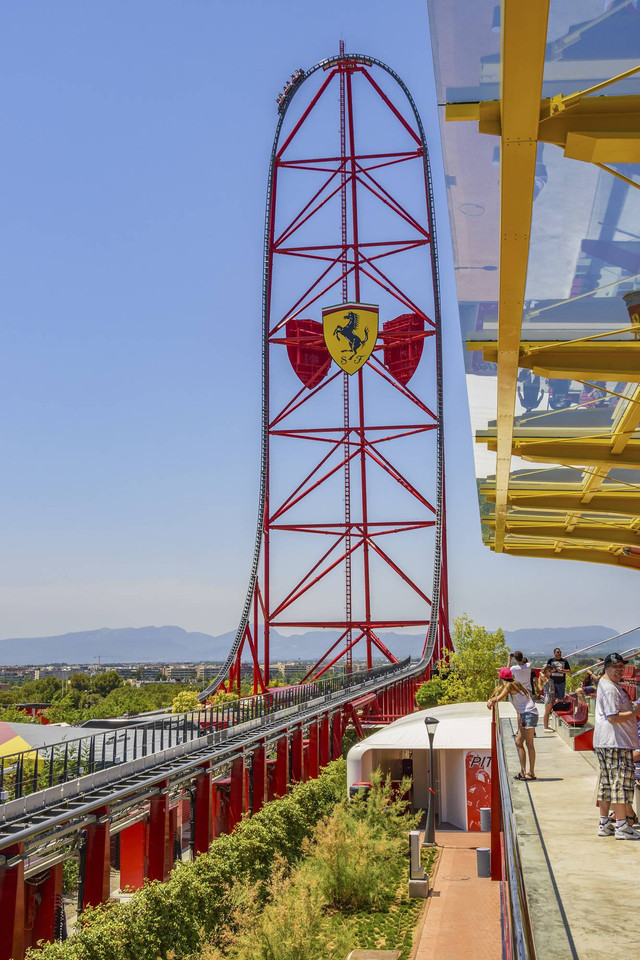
136,144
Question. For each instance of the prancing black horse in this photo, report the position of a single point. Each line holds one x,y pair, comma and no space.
348,332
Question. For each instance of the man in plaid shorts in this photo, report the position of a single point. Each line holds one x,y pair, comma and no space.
615,737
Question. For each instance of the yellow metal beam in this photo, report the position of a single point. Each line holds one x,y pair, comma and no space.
601,534
627,424
595,129
622,503
523,39
583,554
580,453
589,359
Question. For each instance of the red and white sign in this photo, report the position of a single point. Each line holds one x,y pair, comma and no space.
477,764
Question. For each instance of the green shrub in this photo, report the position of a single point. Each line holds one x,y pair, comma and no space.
355,861
172,918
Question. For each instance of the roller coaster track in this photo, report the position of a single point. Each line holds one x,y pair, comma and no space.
122,768
55,800
266,288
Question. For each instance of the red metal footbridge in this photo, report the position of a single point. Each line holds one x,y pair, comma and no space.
351,531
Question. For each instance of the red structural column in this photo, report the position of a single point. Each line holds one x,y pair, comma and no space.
133,856
259,779
12,906
314,758
336,739
97,861
236,793
203,830
324,740
297,755
48,890
496,852
160,849
282,766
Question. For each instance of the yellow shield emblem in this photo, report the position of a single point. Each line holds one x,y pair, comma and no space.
350,333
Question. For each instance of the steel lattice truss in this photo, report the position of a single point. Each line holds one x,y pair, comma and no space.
352,495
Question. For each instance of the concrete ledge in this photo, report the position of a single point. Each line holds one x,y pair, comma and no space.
419,888
374,955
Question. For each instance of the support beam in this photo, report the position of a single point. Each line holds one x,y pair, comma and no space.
602,534
133,856
579,453
12,920
336,735
49,893
259,779
236,793
524,37
314,756
282,766
622,501
324,740
297,759
584,360
160,851
592,129
203,832
97,861
581,554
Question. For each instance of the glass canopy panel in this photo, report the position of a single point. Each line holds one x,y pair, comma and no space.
585,239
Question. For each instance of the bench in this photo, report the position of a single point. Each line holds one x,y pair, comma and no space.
578,717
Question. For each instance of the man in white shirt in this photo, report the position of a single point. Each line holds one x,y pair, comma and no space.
520,668
615,737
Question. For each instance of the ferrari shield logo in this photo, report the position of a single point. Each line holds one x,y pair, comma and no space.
350,333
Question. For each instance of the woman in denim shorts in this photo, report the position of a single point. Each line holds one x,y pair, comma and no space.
527,712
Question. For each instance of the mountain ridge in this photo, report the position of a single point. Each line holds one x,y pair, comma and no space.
171,644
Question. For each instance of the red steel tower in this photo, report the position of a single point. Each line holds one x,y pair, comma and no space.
351,528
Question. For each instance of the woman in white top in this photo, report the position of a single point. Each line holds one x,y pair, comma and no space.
527,719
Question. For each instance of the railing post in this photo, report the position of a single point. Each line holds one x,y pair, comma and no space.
496,855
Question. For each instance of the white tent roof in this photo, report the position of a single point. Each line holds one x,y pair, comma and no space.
461,726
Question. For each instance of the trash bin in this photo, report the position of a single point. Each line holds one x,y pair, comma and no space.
359,788
483,857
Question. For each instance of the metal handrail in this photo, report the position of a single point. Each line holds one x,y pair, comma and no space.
517,928
29,771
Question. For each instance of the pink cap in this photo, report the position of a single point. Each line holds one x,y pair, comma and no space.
505,674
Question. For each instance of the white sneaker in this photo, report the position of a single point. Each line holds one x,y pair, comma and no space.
606,829
626,833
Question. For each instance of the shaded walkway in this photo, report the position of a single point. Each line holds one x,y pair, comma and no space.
462,915
582,889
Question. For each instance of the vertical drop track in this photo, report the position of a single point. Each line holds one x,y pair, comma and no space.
349,216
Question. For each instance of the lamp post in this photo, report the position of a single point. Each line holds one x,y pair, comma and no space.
430,833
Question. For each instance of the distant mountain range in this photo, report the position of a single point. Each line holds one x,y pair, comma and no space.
175,645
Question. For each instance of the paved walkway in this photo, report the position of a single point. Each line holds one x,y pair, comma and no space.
582,889
462,915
